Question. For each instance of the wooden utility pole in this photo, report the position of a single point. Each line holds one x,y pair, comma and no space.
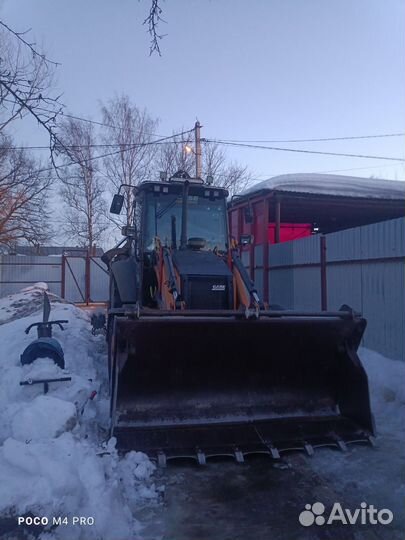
198,165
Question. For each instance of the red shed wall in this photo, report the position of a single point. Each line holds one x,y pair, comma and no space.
255,256
289,231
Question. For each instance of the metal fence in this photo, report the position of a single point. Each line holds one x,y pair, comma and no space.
79,279
362,267
84,279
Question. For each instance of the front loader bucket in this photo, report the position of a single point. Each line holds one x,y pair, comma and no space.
204,384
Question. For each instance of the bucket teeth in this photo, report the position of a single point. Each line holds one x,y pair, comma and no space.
239,456
372,440
341,445
201,457
309,449
162,461
275,454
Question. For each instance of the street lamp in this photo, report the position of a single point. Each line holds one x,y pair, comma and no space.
187,149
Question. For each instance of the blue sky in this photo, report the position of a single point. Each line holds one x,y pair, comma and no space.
263,69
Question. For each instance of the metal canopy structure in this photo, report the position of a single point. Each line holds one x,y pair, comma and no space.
322,203
339,204
332,213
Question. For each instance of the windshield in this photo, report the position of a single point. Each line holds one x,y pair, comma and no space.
206,219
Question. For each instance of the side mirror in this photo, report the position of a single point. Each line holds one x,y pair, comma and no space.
245,239
117,204
128,230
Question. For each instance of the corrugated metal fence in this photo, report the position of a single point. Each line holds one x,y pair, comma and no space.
19,271
75,278
365,268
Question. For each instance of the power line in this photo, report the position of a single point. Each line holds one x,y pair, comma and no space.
321,139
81,119
348,138
302,151
76,146
217,141
359,168
269,175
221,141
131,147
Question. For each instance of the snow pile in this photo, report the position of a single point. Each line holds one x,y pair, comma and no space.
67,478
333,184
39,285
387,389
28,301
84,357
44,418
53,461
377,474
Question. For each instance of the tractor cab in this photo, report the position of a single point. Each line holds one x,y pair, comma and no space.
185,220
180,229
183,206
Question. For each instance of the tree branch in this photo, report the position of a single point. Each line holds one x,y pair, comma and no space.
19,36
153,20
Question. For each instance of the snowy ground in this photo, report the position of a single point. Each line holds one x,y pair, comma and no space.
377,474
52,458
53,461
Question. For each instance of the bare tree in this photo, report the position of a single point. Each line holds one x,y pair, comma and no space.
26,81
82,186
24,188
178,154
132,130
229,175
25,89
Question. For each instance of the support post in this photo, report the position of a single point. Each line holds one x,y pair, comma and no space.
63,277
324,285
266,250
278,220
87,278
252,245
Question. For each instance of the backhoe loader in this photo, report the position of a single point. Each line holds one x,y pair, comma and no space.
199,366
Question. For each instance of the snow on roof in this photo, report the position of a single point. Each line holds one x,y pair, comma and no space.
332,184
